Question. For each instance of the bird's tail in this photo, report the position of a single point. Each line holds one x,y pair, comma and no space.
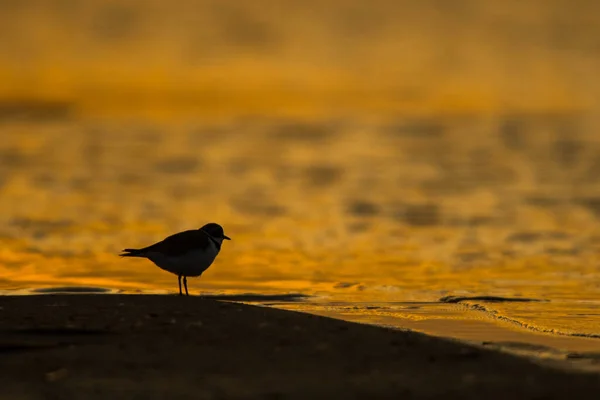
132,253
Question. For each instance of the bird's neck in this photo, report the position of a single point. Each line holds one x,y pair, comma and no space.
216,241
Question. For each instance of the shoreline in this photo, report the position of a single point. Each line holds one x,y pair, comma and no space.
92,346
559,350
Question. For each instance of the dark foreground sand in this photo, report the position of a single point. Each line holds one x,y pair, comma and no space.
169,347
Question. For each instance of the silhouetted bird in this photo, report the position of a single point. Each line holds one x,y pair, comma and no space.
184,254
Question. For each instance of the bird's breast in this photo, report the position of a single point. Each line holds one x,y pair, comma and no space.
192,263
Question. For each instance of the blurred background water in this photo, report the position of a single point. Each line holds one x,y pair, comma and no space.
365,153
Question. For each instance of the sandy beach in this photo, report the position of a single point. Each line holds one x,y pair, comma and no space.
156,347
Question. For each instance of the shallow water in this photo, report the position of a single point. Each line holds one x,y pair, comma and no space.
412,164
361,213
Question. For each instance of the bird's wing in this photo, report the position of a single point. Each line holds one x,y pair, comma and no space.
175,245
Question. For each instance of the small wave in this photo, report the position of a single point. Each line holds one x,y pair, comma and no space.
253,297
584,356
494,314
490,299
72,289
521,346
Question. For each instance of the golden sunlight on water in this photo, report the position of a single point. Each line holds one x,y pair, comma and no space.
350,210
362,155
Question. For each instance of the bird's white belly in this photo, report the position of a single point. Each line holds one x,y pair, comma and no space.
193,263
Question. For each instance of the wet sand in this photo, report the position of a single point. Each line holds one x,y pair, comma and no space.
144,346
471,325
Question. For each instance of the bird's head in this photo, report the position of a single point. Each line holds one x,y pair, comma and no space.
215,231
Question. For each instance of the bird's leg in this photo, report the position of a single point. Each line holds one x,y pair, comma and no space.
179,279
185,284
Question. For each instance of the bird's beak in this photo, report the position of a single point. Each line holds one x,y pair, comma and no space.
226,237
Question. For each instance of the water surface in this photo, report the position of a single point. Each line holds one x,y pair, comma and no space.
350,211
376,157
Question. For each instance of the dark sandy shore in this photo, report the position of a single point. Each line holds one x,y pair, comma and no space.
169,347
